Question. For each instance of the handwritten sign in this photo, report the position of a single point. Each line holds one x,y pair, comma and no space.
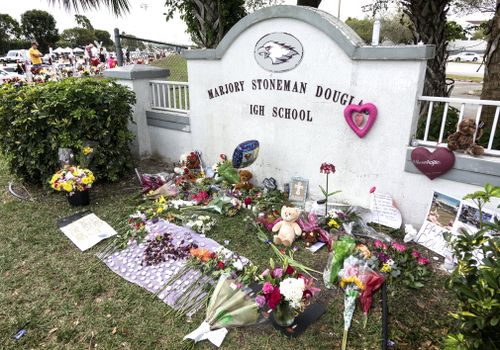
384,212
87,231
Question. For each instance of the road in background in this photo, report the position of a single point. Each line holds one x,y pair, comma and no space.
465,69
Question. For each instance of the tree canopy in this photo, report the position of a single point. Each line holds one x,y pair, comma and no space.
40,26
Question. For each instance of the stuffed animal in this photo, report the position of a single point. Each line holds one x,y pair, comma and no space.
244,183
287,229
310,237
189,161
463,139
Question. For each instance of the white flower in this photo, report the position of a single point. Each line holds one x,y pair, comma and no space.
238,265
390,262
292,290
198,223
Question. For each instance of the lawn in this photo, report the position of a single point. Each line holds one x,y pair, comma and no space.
72,301
176,64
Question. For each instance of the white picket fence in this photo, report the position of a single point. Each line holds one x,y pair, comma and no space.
170,96
461,104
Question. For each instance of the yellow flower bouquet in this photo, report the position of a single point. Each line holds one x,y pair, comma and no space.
75,181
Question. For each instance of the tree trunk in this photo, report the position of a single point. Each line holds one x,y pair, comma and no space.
429,21
491,81
311,3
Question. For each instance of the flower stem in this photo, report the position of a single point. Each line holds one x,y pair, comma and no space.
326,195
344,340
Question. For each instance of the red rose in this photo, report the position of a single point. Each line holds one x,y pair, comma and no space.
248,201
220,265
289,270
307,294
213,255
274,298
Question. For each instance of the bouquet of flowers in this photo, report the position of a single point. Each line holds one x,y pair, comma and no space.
342,219
72,179
200,223
399,262
201,268
342,248
286,292
231,305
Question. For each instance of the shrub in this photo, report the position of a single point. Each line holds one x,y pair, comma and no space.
435,126
476,282
35,120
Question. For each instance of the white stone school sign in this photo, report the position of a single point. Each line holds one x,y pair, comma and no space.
284,75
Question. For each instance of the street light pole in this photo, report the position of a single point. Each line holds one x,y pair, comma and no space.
338,12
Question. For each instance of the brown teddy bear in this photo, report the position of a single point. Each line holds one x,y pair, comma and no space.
310,237
463,139
244,183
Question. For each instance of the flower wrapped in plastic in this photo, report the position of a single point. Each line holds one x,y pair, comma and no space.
342,248
372,281
350,281
231,305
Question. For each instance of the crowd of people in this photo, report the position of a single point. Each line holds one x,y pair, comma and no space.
33,66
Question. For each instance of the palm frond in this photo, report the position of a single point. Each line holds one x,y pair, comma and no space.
117,7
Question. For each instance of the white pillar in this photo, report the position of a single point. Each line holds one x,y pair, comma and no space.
376,33
137,77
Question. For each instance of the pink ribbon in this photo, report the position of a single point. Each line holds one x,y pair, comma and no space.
311,224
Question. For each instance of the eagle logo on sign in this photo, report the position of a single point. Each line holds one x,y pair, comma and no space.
277,52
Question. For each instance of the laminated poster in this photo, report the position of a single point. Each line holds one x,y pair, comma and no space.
85,230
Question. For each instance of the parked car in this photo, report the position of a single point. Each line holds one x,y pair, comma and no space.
465,57
5,75
12,56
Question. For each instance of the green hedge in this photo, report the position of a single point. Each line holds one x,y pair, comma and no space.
35,120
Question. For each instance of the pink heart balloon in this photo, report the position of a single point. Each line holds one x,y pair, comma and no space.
433,164
353,123
359,118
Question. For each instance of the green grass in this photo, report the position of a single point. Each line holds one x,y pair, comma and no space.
465,78
74,302
177,66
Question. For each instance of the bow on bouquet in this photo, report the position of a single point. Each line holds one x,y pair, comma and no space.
231,305
311,224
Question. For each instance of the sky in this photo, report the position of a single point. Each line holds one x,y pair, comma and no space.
146,18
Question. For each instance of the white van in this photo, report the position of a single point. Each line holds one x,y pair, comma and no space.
13,56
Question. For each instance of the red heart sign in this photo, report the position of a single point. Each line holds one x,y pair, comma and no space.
433,164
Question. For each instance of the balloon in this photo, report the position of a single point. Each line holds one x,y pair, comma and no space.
245,154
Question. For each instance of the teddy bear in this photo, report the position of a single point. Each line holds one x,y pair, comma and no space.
244,183
310,237
287,229
463,139
190,161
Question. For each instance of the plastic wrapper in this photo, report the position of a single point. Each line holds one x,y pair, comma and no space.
230,306
372,281
66,157
227,172
342,248
350,281
151,182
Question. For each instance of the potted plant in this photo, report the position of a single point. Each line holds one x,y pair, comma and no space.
76,182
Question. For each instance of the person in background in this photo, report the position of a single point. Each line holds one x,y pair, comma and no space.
35,55
112,62
19,68
102,55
